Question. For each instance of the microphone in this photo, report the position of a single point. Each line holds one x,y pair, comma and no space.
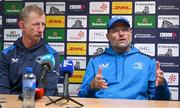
47,60
67,67
47,63
66,70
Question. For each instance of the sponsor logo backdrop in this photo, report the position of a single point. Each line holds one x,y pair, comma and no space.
77,30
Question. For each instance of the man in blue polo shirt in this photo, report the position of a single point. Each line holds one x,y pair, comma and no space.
122,71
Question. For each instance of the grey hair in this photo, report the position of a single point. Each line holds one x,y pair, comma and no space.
24,14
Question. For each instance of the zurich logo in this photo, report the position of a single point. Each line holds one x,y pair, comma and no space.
138,66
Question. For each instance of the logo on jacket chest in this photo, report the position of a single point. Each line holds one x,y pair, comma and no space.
138,66
104,65
14,60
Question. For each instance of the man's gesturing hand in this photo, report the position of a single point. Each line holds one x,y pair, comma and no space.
98,82
159,75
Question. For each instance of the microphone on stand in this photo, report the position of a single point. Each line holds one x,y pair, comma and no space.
47,63
66,70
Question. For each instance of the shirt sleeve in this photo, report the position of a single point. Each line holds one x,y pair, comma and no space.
85,90
4,74
157,93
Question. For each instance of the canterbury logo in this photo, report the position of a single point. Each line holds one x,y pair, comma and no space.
14,60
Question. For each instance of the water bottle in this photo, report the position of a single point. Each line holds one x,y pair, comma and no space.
28,89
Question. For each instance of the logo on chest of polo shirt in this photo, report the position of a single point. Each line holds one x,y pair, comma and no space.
138,66
14,60
104,65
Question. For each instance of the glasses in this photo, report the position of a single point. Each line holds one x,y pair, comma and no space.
124,30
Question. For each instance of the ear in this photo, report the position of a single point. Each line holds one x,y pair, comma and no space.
107,36
21,25
131,30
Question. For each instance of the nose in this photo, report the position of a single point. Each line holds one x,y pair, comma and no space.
41,28
121,32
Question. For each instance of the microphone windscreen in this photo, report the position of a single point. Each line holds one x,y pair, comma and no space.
48,60
67,67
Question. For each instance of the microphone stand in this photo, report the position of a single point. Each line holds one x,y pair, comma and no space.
45,69
65,92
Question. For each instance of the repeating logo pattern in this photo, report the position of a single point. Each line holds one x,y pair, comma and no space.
77,30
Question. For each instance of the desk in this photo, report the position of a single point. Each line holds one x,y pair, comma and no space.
13,102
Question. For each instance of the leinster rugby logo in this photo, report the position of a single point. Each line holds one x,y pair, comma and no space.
138,66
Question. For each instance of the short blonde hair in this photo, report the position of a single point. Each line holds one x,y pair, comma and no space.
24,14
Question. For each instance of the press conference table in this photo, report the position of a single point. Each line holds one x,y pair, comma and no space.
11,101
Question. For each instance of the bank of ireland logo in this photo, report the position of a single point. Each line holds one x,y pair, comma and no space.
80,35
99,8
172,78
103,6
76,35
138,65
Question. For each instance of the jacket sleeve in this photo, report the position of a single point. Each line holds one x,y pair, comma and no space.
157,93
4,74
52,79
89,75
162,92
